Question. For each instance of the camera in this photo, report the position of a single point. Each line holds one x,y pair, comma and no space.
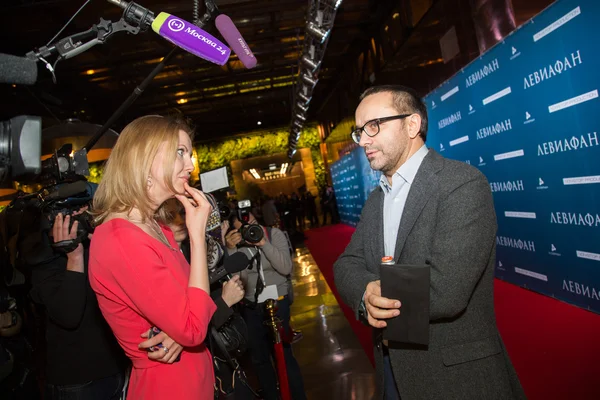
251,233
20,147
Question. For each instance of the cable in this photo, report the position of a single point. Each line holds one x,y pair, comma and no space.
68,22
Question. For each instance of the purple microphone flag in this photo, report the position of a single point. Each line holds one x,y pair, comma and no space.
191,38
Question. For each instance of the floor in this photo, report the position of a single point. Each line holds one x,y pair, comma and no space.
333,363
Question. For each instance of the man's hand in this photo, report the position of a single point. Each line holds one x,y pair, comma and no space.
379,308
60,232
233,291
232,239
160,355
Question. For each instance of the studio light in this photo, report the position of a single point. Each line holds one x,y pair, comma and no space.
305,99
309,80
310,64
302,108
335,4
317,32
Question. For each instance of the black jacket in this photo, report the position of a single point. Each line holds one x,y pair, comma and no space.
80,344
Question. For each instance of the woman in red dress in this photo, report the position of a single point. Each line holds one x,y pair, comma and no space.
139,275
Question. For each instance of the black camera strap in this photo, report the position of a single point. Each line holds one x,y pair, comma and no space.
260,285
67,246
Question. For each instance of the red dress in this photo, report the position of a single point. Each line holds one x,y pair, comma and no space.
141,283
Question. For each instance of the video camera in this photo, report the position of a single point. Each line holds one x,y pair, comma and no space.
251,233
61,188
20,147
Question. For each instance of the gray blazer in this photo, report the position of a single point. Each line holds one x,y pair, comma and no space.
449,223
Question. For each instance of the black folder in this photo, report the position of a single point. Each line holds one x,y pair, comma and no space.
410,285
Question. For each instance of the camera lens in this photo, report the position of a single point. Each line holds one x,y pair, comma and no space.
224,211
252,233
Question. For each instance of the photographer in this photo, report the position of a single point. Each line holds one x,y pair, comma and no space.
225,297
83,360
271,278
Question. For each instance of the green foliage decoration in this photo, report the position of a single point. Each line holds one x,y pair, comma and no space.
260,143
96,172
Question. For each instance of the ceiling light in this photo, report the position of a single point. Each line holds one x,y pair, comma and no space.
312,65
182,101
90,72
254,173
317,32
258,123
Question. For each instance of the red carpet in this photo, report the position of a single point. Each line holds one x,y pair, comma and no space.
555,347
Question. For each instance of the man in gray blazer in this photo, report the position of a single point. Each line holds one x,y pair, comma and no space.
432,211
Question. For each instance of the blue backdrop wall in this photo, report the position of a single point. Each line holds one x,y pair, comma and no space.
526,113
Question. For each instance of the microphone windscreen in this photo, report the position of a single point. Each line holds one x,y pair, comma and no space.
234,39
236,262
17,70
70,189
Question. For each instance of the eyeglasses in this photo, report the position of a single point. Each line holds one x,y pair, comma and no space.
371,128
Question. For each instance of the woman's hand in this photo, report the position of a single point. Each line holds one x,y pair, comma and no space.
233,291
197,210
168,356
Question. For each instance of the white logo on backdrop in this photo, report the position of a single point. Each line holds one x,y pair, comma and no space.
581,289
541,184
499,127
510,154
482,73
519,244
553,251
557,24
553,69
577,219
515,53
574,143
573,101
528,118
449,120
498,95
507,186
582,180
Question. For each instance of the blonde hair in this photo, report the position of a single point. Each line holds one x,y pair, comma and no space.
124,184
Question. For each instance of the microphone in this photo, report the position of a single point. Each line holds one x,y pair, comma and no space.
191,38
233,264
177,31
17,70
234,39
66,190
